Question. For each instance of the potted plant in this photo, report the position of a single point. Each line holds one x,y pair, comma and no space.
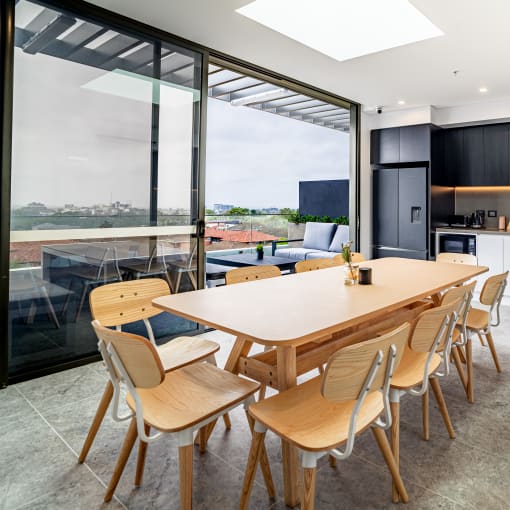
260,251
351,276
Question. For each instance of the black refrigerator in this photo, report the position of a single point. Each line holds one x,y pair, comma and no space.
412,195
401,212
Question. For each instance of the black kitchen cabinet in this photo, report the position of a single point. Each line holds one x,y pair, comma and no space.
497,154
407,144
454,154
478,156
385,146
473,162
415,143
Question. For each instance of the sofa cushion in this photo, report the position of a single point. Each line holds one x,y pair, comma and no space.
318,236
293,253
341,237
321,255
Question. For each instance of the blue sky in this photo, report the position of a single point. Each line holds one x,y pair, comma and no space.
256,159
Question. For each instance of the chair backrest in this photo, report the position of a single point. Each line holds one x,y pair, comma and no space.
429,331
348,369
116,304
250,273
457,258
462,295
314,264
153,257
139,359
492,290
355,258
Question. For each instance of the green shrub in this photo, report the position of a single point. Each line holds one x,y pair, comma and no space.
303,218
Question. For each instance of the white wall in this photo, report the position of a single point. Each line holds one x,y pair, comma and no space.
487,112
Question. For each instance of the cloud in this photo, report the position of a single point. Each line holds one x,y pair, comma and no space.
256,159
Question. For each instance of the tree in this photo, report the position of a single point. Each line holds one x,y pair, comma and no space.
238,211
287,211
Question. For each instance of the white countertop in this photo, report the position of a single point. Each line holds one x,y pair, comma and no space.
467,230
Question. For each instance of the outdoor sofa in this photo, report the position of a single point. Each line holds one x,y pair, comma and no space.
321,240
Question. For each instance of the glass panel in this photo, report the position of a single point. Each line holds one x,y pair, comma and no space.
270,159
102,168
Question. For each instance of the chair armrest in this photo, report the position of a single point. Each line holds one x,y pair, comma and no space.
274,243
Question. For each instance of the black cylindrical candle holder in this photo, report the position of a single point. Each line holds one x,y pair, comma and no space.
365,276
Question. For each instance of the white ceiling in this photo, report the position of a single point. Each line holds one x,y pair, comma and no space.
476,43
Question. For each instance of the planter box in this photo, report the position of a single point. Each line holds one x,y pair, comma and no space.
296,230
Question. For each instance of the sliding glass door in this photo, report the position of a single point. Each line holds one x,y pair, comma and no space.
104,154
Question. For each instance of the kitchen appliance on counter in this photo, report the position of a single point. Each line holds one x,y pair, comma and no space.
460,220
456,243
478,219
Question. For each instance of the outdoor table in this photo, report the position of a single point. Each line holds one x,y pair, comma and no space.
308,316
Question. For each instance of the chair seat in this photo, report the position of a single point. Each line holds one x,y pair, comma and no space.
184,350
190,395
411,368
89,273
304,417
477,319
140,267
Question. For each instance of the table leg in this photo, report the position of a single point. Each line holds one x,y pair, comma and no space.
286,366
240,349
436,299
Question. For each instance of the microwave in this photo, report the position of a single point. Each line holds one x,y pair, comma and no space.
457,243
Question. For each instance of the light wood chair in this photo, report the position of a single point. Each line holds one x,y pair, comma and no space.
356,257
481,321
457,258
460,298
327,412
178,402
420,361
250,273
462,294
118,304
314,264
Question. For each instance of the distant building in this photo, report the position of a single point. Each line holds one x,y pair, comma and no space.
222,208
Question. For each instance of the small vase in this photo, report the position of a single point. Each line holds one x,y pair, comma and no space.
351,276
260,255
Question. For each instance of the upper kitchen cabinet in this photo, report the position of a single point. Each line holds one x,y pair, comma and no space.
497,154
407,144
415,143
454,154
385,146
478,156
473,162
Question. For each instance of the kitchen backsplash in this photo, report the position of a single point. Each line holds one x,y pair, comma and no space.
468,200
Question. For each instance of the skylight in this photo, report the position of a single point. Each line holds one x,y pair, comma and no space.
344,29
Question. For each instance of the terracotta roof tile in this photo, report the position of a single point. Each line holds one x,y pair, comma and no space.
239,236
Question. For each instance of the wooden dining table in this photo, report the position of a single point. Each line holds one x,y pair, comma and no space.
308,316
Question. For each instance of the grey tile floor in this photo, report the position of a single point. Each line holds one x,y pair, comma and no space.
43,423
